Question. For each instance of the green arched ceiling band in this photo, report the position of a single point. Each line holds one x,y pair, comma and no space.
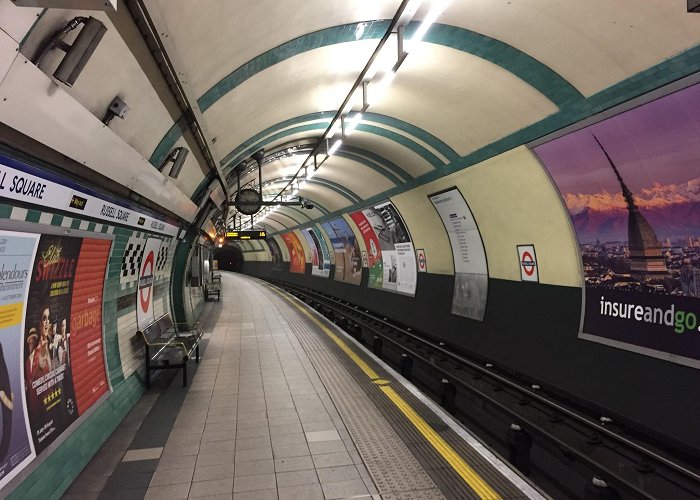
527,68
382,162
327,116
300,212
422,151
310,41
343,153
271,138
536,74
272,218
281,214
416,132
249,144
258,142
333,186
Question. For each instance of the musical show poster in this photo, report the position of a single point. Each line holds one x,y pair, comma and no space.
16,258
471,284
631,185
297,259
58,337
348,259
374,248
320,266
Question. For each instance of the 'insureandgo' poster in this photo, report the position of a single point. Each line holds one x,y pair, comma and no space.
16,258
65,371
631,184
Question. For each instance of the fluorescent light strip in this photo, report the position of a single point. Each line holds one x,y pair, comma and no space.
335,147
352,124
435,10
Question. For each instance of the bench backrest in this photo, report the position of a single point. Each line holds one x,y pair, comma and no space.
157,328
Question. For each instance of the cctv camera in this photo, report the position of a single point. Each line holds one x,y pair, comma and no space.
306,204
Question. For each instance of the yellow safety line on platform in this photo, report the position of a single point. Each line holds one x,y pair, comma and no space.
469,475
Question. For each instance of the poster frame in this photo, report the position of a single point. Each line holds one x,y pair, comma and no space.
454,264
373,206
38,228
611,112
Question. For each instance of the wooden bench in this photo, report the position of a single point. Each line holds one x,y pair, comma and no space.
212,290
216,278
169,346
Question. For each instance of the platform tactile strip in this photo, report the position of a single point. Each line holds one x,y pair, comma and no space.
394,469
377,416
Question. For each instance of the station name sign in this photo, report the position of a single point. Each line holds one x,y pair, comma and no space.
18,184
246,235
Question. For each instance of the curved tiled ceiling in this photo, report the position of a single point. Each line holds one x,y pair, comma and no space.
487,77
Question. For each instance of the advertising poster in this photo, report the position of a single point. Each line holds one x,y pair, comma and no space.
275,253
348,260
320,264
297,259
399,272
327,261
374,249
85,332
16,258
144,295
48,379
471,271
631,184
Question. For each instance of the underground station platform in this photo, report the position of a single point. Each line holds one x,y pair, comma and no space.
284,404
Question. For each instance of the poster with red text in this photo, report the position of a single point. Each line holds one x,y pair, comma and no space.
374,249
89,376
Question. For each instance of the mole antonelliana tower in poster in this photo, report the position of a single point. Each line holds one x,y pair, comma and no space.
646,260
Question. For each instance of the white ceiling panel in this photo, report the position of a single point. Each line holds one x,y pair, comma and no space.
215,37
593,44
300,85
462,99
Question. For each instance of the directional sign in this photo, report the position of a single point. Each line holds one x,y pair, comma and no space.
422,263
528,263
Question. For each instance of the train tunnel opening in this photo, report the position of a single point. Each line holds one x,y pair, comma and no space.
229,259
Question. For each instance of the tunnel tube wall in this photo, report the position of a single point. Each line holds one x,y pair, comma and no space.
530,328
67,273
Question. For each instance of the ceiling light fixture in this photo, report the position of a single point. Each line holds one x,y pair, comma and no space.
368,76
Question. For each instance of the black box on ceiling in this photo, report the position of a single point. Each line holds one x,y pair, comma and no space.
694,6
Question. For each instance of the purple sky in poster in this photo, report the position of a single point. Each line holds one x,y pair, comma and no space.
656,148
